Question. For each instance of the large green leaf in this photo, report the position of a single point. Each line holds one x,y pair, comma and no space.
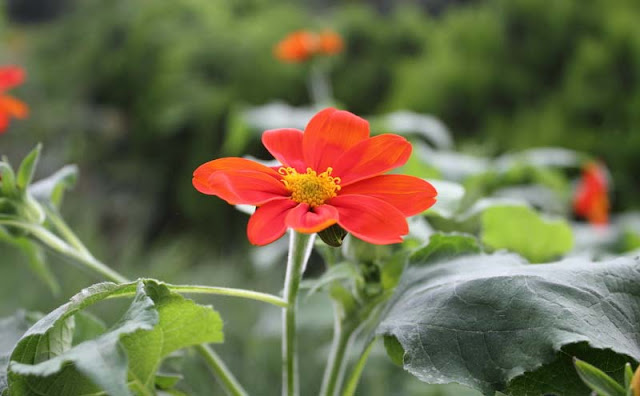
522,230
49,361
485,320
44,363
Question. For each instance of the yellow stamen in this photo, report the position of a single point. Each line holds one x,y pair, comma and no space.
310,188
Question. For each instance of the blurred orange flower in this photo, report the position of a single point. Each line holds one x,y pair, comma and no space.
591,199
332,173
301,45
10,76
330,42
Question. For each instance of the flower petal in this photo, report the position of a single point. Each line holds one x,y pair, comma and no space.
232,163
411,195
268,222
4,122
370,219
13,106
372,157
246,187
10,76
286,146
309,220
329,134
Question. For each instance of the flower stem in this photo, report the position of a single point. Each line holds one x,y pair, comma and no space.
221,371
354,378
300,246
336,364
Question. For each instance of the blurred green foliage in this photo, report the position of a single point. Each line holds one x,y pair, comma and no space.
140,93
514,74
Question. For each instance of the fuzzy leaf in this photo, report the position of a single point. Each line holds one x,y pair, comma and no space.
485,320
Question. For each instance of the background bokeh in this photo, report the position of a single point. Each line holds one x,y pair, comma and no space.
138,93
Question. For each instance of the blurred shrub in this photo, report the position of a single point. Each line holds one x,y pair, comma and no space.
529,73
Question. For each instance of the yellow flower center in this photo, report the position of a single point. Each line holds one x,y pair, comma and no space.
310,188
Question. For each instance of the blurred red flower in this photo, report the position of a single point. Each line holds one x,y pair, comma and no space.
332,173
591,199
302,45
10,76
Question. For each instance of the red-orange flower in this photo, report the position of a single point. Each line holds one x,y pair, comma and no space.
301,45
332,173
10,76
591,199
297,46
330,42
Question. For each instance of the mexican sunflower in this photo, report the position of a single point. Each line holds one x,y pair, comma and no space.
332,173
10,76
591,199
302,45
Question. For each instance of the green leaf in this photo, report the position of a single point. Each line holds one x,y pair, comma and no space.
628,375
597,380
51,189
11,329
87,327
559,377
7,180
485,320
27,168
182,323
167,381
98,364
394,349
522,230
157,323
445,246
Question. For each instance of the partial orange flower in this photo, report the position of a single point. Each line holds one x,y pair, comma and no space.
10,76
591,199
332,173
301,45
297,46
330,42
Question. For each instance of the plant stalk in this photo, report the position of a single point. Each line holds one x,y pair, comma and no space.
354,378
336,364
300,246
230,384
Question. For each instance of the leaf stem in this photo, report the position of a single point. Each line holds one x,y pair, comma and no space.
222,291
354,378
336,364
221,371
300,246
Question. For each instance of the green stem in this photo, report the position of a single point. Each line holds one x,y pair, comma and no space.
66,232
220,291
300,246
221,371
336,364
60,246
354,378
